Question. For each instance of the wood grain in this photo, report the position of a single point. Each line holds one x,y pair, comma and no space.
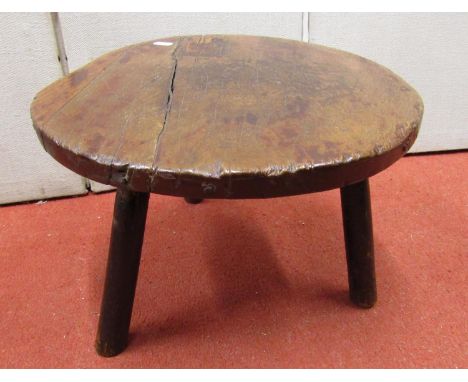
228,117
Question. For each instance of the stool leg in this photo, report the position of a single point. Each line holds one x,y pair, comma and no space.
193,200
357,225
128,228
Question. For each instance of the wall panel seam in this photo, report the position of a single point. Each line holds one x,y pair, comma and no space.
305,26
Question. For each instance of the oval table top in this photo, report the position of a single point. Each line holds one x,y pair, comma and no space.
228,117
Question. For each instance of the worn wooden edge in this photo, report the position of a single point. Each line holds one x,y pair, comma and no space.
230,186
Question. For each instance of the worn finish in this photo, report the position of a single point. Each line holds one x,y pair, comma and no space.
228,117
128,229
357,226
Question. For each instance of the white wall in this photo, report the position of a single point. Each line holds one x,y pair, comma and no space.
429,50
28,62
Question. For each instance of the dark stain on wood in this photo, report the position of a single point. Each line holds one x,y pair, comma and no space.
78,76
251,118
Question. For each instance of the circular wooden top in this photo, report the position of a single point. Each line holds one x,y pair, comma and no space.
228,117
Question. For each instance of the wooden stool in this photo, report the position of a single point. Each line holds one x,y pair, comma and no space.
226,117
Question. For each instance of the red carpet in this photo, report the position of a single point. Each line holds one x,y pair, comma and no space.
247,283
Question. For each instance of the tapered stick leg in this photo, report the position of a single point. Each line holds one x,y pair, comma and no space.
357,224
128,228
193,200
